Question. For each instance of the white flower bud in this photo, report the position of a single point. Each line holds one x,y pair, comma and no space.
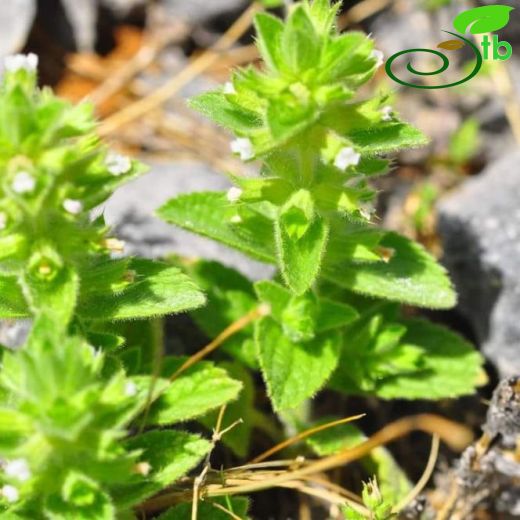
378,56
234,194
72,206
130,389
10,493
229,88
18,469
16,62
243,147
117,164
23,182
387,113
347,157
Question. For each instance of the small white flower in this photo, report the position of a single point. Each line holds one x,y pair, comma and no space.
10,493
130,389
235,219
19,469
378,56
234,194
3,220
118,164
229,88
72,206
23,182
243,147
387,113
16,62
346,157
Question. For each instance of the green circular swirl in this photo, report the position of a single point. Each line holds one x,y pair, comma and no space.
442,68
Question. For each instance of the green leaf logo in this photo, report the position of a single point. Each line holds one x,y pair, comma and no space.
485,19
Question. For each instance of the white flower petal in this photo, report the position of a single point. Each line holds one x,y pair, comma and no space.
16,62
234,194
10,493
117,164
130,389
72,206
378,56
229,88
387,113
23,182
19,469
243,147
347,157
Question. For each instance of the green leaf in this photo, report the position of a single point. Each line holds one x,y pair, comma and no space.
411,276
465,142
216,106
209,214
300,43
387,138
480,20
452,367
301,257
269,30
239,437
294,372
158,289
170,454
15,427
207,511
196,391
12,302
230,296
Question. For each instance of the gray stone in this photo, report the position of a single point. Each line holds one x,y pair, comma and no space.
480,227
16,19
201,11
131,212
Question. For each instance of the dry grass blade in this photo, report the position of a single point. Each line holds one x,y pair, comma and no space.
303,435
191,71
421,484
227,511
221,338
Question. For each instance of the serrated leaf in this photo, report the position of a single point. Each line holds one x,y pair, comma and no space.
485,19
269,30
171,454
217,107
411,275
159,289
207,511
239,437
301,258
294,372
195,392
12,301
452,367
230,296
387,138
209,214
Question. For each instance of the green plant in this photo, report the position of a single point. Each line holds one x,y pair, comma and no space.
74,400
310,213
88,417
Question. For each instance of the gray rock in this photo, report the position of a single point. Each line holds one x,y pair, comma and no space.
131,212
82,15
480,227
16,19
201,11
